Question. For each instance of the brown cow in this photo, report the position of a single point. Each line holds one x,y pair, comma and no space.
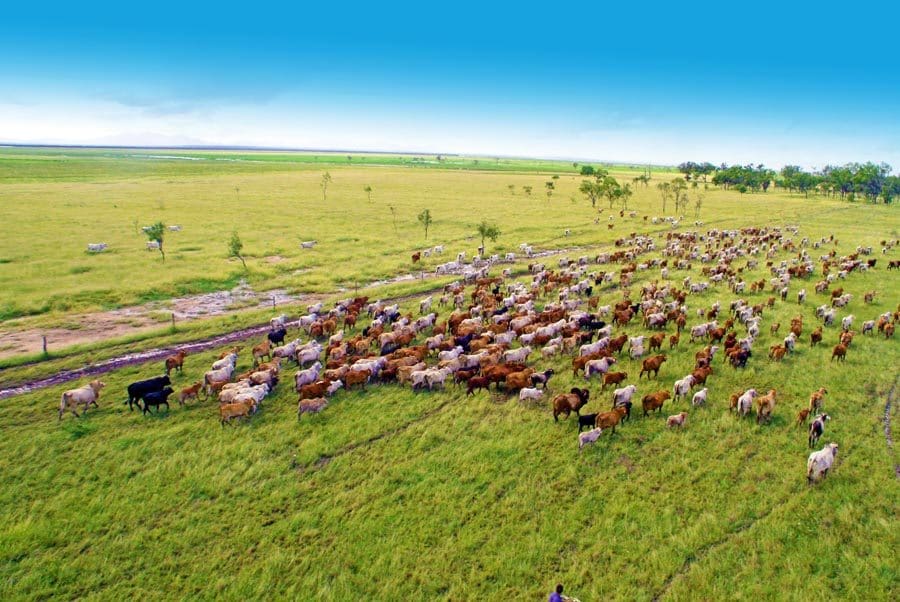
840,352
518,380
815,337
610,419
175,362
654,401
613,378
357,377
652,364
569,402
191,392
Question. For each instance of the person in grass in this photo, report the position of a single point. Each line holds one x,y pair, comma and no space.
557,595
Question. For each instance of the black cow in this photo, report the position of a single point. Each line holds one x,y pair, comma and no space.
157,398
140,388
586,420
276,337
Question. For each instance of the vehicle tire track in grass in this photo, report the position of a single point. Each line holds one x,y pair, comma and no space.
325,459
888,437
701,552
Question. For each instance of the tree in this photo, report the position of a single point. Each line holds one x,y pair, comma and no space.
625,194
394,215
550,187
527,190
155,233
326,180
665,192
488,230
368,191
425,220
512,189
235,246
698,204
610,188
591,190
679,193
587,170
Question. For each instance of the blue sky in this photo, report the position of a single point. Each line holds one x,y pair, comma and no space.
773,83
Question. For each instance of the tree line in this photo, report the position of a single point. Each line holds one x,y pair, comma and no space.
853,181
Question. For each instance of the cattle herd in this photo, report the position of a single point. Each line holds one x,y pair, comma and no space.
495,326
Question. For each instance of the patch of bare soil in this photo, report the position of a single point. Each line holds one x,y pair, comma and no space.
89,328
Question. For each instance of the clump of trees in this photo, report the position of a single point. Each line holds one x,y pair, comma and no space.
866,180
870,181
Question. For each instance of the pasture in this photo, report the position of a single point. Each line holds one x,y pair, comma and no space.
390,493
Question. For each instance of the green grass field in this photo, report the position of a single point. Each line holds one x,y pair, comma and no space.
391,494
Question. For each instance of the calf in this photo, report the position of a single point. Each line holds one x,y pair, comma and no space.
311,406
191,392
676,420
588,438
817,428
157,398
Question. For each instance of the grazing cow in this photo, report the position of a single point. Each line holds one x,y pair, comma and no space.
416,256
888,330
191,392
138,389
676,420
588,438
86,395
175,362
820,463
277,323
654,401
652,364
157,398
817,428
570,402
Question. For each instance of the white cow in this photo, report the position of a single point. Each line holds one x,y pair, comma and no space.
820,462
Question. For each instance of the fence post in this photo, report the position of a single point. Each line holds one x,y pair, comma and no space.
44,343
173,320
